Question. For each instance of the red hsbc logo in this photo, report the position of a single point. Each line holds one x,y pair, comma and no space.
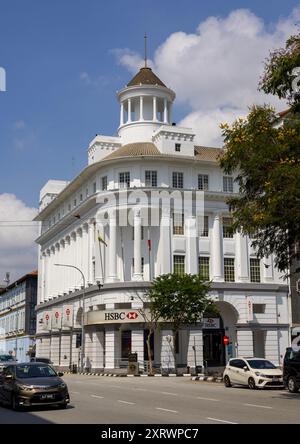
132,315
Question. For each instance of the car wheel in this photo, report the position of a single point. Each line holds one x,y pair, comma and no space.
227,381
15,402
251,384
292,385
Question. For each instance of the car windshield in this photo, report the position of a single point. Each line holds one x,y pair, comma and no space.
260,363
5,358
34,371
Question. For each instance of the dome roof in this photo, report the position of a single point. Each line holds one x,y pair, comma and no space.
145,76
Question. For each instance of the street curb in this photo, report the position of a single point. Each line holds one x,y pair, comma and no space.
159,375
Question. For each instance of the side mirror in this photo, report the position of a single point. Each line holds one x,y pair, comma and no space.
60,374
245,368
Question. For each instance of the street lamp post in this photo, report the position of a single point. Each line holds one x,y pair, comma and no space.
82,316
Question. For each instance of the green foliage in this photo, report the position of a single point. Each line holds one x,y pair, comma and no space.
180,299
267,161
278,75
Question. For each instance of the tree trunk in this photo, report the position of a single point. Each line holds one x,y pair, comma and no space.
149,352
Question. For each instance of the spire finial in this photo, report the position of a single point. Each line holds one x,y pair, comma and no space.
145,40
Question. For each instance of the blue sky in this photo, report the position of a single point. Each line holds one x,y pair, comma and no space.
63,71
48,114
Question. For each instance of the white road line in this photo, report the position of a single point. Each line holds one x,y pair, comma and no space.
208,399
96,396
261,406
126,402
166,410
221,420
168,393
141,390
75,393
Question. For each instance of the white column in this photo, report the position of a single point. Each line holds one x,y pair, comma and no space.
244,343
112,245
73,260
165,244
90,253
112,356
241,258
129,111
69,262
78,280
137,344
170,113
85,252
192,245
51,272
46,276
217,249
98,350
165,111
88,360
42,277
99,254
137,272
141,108
154,109
122,114
167,356
195,348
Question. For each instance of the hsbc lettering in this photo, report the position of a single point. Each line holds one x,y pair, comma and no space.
115,316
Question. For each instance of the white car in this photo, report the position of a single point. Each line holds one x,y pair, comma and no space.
253,372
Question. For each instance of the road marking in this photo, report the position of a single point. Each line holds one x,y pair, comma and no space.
261,406
75,393
96,396
208,399
141,390
168,393
221,420
126,402
166,410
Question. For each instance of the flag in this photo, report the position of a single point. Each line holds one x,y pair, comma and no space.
100,239
149,244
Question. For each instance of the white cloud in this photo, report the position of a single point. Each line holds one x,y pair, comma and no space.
19,125
216,70
18,251
96,82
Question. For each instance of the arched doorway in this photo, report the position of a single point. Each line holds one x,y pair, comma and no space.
215,353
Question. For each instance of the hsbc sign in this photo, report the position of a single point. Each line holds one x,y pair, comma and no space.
113,316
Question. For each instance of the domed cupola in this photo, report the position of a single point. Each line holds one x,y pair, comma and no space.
146,104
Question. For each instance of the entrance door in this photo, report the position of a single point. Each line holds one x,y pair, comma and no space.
213,348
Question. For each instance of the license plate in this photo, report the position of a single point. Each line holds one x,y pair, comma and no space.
48,396
276,379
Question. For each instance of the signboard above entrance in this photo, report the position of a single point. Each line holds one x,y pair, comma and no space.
113,316
211,323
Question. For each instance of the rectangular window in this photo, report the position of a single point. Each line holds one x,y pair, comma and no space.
124,180
179,264
94,187
104,183
254,270
229,269
69,207
203,226
81,197
204,267
151,178
227,230
178,223
259,308
228,184
202,182
177,180
177,146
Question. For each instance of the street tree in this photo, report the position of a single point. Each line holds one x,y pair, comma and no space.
180,300
263,150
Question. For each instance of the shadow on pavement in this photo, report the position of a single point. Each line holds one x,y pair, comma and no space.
26,416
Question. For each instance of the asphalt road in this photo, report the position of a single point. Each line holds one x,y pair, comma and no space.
110,400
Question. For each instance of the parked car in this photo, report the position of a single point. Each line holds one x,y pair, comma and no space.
5,360
252,372
30,384
291,370
45,360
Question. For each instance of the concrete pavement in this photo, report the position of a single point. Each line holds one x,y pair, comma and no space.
104,400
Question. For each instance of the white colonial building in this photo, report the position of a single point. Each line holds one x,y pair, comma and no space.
116,223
